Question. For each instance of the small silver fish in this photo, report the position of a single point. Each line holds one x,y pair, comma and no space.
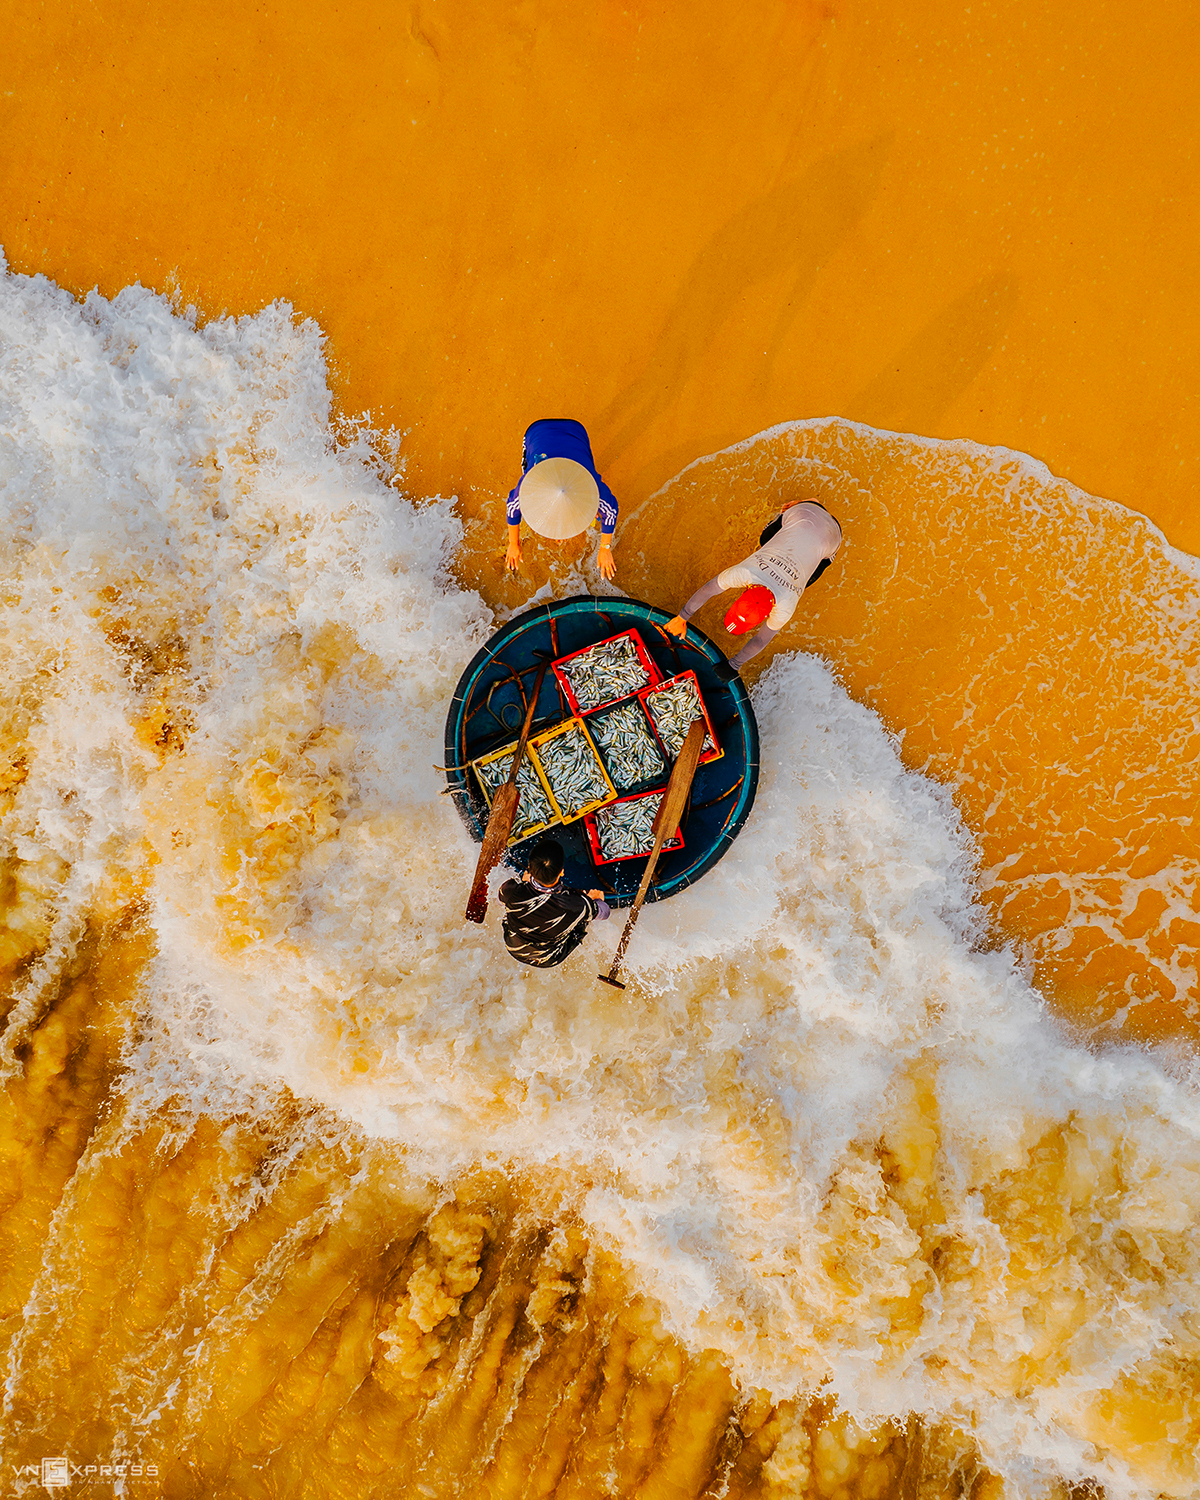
575,775
627,828
533,806
611,669
623,738
673,707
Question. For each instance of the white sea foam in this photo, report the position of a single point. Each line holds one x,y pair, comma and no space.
823,1004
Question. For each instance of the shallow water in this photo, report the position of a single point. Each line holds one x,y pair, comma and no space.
306,1186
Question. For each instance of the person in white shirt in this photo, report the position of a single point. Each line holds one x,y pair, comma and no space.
794,551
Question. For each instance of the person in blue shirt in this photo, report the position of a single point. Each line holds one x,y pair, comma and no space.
560,492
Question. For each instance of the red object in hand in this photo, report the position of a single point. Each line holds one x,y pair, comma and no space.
749,609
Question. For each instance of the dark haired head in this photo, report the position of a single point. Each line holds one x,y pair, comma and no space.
546,862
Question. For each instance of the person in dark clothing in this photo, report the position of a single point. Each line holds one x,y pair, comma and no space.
544,922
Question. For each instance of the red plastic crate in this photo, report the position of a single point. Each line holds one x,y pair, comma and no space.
599,858
715,751
644,657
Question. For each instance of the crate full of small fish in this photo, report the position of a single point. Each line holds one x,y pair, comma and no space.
611,669
572,769
535,809
671,707
631,754
625,829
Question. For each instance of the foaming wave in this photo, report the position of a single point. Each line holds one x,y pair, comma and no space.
1037,648
832,1126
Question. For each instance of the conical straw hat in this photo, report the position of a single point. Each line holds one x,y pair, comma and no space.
559,498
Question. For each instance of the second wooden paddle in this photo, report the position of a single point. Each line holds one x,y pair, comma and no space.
670,811
500,819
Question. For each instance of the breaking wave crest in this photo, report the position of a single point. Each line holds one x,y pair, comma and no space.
833,1130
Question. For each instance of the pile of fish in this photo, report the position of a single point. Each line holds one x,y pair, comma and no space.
575,775
630,752
533,806
626,828
609,670
673,707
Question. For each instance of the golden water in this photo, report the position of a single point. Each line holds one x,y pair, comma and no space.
884,1181
308,1190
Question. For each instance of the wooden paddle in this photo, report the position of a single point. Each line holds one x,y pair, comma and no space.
500,819
670,811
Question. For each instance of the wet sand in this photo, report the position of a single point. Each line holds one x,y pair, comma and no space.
683,230
971,225
681,226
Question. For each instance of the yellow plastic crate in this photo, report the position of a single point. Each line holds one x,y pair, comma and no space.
535,745
506,755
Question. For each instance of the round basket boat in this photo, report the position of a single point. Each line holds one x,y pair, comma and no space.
489,705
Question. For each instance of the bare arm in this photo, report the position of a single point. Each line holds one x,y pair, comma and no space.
604,557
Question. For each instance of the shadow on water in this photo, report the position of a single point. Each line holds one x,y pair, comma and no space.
916,385
796,226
